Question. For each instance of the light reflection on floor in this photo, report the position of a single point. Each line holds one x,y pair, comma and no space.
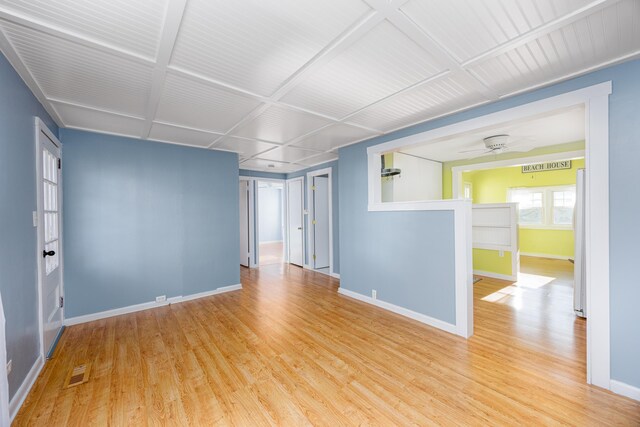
516,289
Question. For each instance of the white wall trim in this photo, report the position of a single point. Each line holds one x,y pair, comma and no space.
286,240
541,255
422,318
495,275
23,391
596,101
253,249
147,305
41,127
325,171
456,171
564,100
335,275
627,390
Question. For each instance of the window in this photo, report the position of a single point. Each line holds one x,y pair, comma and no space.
468,191
544,207
563,202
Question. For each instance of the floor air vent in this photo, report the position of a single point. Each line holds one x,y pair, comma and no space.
78,375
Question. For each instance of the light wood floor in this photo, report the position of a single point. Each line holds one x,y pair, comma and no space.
289,350
271,253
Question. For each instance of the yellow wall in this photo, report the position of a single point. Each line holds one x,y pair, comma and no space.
492,185
446,167
490,261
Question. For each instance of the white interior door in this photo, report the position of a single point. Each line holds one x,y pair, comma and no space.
320,221
244,223
49,218
296,217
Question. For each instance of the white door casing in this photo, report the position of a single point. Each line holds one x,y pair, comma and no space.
245,245
295,215
320,221
49,215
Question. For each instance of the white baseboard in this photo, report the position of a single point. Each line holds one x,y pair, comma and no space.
336,275
423,318
25,387
209,293
147,305
495,275
627,390
538,255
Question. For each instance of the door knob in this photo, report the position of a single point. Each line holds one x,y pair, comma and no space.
299,228
46,254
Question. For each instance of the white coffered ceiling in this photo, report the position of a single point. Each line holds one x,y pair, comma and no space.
285,83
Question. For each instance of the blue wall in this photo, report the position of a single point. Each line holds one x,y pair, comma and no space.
335,200
407,257
361,229
144,219
258,174
18,262
270,214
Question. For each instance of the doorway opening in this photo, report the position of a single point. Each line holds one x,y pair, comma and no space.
270,208
320,224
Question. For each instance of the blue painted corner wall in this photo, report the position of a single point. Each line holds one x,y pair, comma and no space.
18,262
143,219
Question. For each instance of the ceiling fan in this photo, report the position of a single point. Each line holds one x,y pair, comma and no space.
496,144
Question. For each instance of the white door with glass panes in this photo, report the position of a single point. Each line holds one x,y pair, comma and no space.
49,220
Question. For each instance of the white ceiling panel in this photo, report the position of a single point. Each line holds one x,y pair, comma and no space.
188,103
133,26
277,124
244,147
180,135
334,136
383,62
269,166
83,118
75,73
257,44
419,104
318,159
469,27
601,37
287,154
308,74
555,128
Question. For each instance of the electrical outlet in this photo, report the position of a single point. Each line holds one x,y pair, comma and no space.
374,294
501,254
9,366
161,298
34,216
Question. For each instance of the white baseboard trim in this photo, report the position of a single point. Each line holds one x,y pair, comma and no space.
423,318
538,255
21,394
209,293
495,275
146,306
627,390
336,275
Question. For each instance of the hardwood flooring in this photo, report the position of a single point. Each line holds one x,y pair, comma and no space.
289,350
271,253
